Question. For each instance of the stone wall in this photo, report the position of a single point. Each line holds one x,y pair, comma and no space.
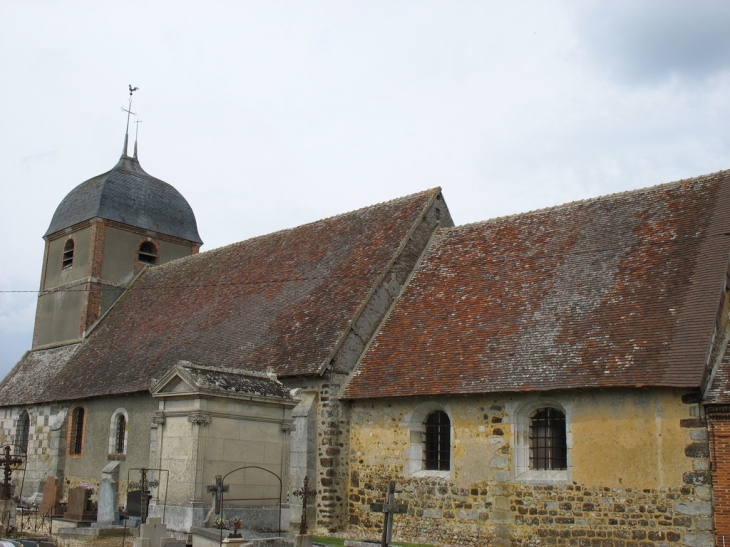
44,443
637,472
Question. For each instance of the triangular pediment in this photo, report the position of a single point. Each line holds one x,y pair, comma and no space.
174,382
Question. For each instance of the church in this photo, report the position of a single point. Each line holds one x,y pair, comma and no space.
554,377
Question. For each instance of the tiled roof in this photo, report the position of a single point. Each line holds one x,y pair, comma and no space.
616,291
281,300
129,195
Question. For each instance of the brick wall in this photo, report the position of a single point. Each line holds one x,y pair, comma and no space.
719,427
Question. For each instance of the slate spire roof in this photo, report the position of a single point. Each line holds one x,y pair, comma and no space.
128,194
619,291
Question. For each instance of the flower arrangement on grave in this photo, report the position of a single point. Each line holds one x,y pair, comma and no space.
219,523
236,522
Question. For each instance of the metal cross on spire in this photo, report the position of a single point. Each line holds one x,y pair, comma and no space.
129,112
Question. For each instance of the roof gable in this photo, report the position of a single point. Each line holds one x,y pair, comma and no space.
616,291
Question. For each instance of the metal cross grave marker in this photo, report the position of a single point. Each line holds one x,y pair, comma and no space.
218,488
144,486
305,493
389,508
7,462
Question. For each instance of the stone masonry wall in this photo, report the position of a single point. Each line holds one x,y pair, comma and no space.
43,449
513,514
638,473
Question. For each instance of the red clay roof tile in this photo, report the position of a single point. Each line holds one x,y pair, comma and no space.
616,291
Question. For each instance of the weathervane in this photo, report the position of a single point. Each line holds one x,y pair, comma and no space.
129,112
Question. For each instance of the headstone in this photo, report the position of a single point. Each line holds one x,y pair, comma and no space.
7,513
29,543
107,512
152,533
51,495
134,503
77,509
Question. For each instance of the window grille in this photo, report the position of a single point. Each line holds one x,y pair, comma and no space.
68,254
121,433
437,445
548,443
77,430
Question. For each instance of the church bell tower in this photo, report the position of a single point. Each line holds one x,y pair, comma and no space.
101,236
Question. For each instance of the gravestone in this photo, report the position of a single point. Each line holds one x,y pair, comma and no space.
107,512
152,533
78,503
51,505
134,503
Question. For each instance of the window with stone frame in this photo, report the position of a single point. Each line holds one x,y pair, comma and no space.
118,437
22,433
542,439
437,442
430,434
76,438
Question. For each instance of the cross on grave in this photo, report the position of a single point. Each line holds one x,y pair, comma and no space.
6,464
218,488
144,486
305,493
390,508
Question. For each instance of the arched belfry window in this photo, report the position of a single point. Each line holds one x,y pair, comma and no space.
68,254
548,441
148,253
437,442
22,433
76,438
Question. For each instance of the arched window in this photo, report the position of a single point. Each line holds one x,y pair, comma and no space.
76,439
118,433
22,433
548,441
68,254
437,442
148,253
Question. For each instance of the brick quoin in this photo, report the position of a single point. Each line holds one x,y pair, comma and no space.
720,454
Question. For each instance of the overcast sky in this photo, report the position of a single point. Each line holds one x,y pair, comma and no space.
267,115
